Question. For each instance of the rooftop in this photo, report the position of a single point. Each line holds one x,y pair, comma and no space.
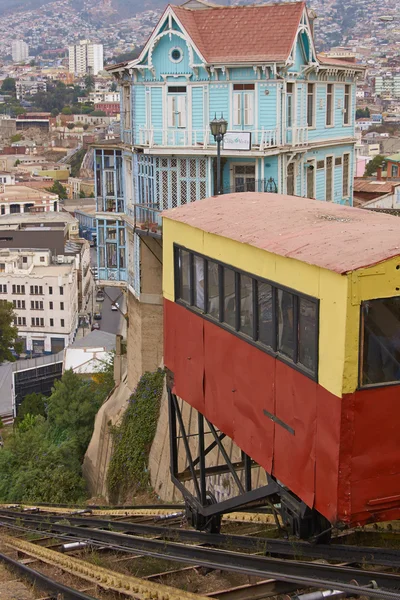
243,33
380,187
394,158
331,236
41,217
22,192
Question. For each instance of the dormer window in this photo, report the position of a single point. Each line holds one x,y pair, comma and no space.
176,55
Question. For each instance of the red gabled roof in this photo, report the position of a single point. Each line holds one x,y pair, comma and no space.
331,236
243,33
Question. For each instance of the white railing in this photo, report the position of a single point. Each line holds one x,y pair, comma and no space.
183,138
300,136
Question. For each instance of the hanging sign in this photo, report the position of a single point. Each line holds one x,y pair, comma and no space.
237,140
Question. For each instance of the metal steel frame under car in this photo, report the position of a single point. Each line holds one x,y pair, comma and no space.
203,511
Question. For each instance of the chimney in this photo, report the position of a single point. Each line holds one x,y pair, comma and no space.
379,174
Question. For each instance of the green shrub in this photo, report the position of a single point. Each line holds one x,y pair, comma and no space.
128,470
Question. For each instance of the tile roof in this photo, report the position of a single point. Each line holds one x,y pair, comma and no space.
243,33
331,236
380,187
338,62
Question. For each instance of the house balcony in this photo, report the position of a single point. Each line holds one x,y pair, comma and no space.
110,204
147,217
261,140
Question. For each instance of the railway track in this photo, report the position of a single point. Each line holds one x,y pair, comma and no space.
335,552
355,581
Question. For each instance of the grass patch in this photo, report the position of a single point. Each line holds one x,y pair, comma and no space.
128,470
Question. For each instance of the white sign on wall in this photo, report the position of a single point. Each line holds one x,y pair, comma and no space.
237,140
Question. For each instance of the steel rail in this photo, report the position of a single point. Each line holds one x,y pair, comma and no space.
145,511
306,574
43,582
354,554
139,589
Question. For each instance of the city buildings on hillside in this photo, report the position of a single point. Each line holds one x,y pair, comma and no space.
290,121
86,58
44,295
19,50
21,199
29,87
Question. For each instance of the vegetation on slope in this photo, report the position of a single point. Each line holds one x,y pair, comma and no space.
41,460
128,470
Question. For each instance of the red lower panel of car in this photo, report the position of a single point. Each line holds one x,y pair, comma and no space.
324,448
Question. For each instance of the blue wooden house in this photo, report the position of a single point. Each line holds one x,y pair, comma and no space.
290,117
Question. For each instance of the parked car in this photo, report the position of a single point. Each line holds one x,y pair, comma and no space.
115,306
95,326
97,316
100,296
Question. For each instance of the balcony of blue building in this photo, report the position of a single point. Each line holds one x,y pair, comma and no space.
109,180
110,213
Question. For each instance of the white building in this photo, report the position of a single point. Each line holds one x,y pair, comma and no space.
44,295
86,58
19,50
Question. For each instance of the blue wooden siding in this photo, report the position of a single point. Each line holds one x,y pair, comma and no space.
139,103
334,151
198,124
339,130
157,112
161,56
219,100
267,95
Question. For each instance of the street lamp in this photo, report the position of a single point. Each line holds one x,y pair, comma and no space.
218,129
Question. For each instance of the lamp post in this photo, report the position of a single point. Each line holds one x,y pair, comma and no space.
218,129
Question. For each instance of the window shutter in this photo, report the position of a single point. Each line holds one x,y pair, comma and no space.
171,111
248,109
182,111
237,109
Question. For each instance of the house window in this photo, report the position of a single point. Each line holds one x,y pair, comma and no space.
176,106
329,179
290,179
198,282
338,161
36,290
126,96
61,305
243,104
346,175
42,259
3,288
37,322
36,305
278,321
329,105
18,289
311,105
289,104
50,305
380,356
62,322
24,259
2,267
50,290
61,291
51,322
320,164
20,304
395,170
347,105
310,180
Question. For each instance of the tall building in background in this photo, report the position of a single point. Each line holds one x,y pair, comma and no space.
86,58
19,50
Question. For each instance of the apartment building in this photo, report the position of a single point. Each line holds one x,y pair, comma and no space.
86,58
290,129
21,199
44,295
19,50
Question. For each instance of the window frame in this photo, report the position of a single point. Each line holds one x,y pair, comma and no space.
314,98
236,330
347,195
347,111
331,156
332,111
361,386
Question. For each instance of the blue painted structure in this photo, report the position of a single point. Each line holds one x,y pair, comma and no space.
298,113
